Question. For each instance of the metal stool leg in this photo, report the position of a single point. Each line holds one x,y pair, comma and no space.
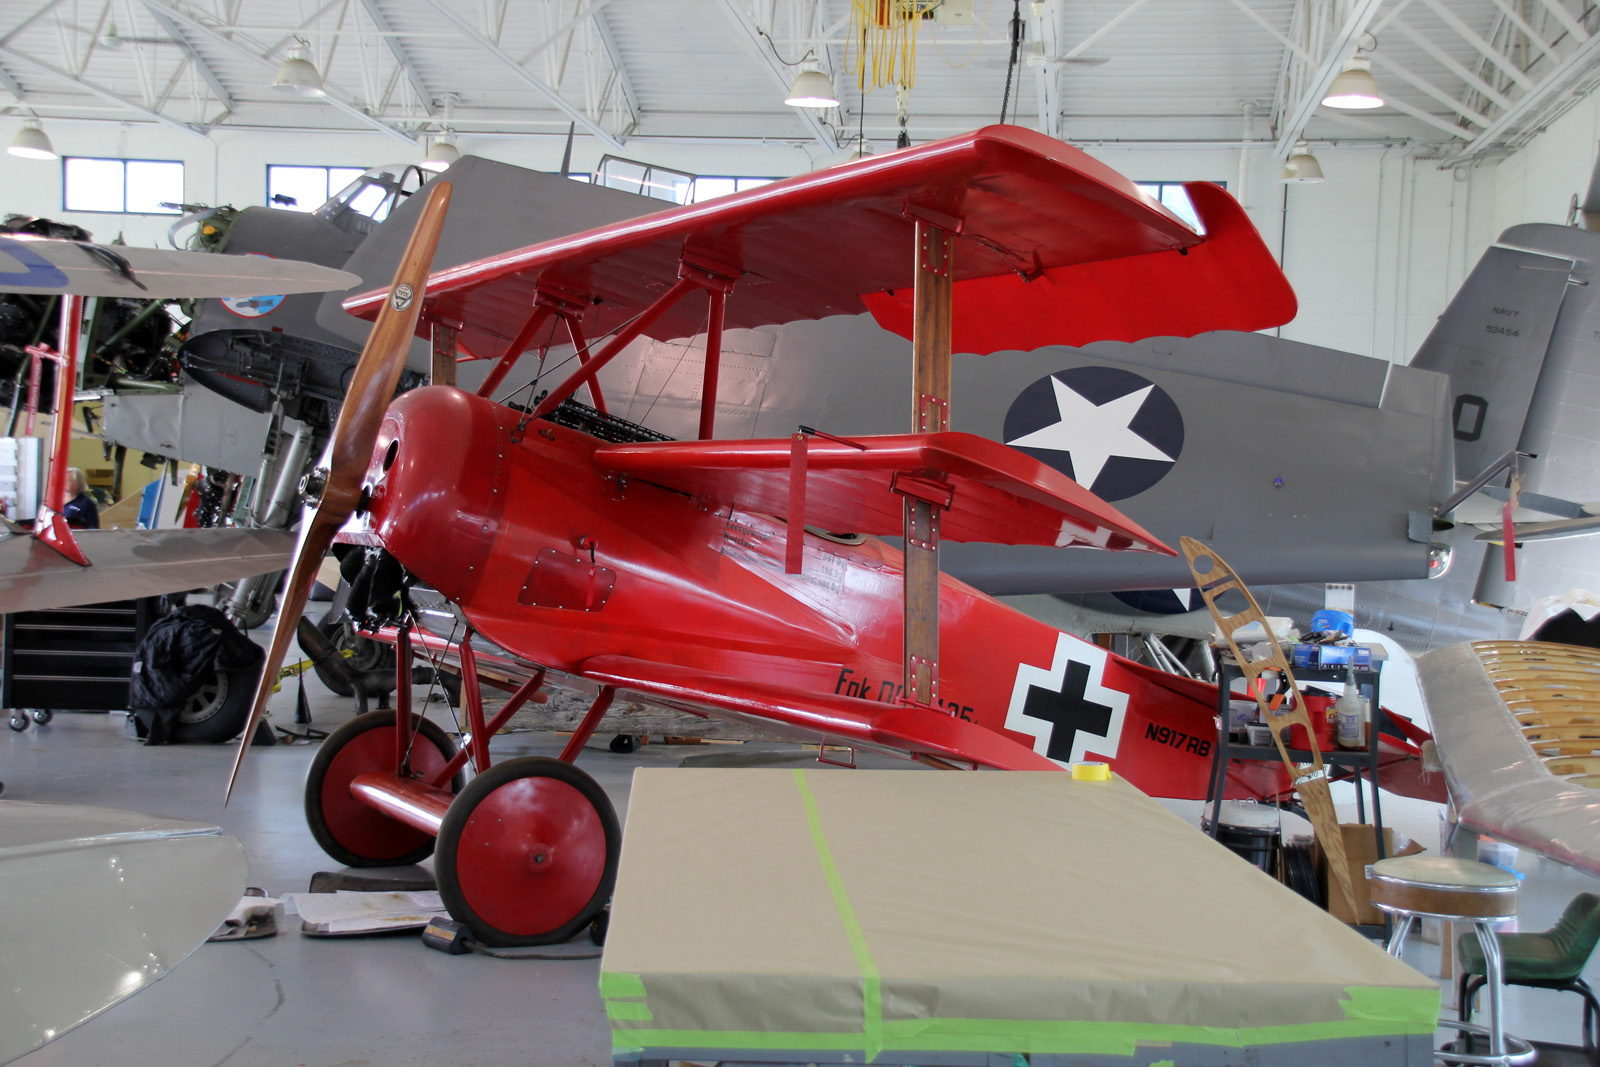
1397,940
1494,982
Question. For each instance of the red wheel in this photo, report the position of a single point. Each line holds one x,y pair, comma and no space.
528,852
354,833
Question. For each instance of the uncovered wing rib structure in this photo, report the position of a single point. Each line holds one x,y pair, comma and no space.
1518,724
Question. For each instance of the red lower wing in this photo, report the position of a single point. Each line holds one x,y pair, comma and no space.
838,719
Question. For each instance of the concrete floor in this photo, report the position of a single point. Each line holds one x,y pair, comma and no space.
294,1000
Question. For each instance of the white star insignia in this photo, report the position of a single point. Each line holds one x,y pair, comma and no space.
1092,434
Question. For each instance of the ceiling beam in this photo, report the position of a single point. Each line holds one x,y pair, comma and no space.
1563,16
209,76
748,34
1355,23
10,85
1489,52
334,97
401,56
528,78
609,43
1383,62
1432,120
1282,38
1579,61
564,31
1112,23
11,55
1528,32
1047,77
1444,59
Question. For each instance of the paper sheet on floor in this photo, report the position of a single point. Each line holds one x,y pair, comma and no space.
348,912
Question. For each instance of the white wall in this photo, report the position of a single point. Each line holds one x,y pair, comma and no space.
1374,252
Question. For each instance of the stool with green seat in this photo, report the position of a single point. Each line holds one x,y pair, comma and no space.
1552,959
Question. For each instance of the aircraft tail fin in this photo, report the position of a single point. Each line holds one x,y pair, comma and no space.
1492,342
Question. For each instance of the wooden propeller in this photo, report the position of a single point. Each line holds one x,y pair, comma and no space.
349,451
1214,577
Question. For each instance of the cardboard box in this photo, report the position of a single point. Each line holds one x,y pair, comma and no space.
1360,853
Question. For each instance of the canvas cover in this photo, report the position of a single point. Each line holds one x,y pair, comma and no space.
875,912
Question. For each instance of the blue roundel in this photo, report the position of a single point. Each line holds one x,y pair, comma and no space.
1112,431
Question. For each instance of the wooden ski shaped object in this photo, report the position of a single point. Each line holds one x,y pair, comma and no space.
1214,577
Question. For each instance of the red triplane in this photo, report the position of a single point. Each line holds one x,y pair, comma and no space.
692,574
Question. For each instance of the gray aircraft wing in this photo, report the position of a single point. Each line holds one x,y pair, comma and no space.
128,564
42,265
1299,463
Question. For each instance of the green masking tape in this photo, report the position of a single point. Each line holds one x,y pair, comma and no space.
871,983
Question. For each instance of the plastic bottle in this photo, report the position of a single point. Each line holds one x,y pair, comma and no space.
1350,715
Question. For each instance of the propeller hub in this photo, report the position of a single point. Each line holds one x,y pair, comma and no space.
312,486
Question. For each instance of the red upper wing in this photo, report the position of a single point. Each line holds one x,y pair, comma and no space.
997,494
1022,205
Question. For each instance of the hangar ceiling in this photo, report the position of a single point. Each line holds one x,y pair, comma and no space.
1465,79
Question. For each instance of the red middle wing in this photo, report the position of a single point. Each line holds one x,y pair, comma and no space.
996,493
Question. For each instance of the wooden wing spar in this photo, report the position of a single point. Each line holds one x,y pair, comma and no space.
1054,247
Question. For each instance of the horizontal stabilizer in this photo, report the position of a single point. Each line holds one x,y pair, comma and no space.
44,266
824,717
1546,531
995,493
126,564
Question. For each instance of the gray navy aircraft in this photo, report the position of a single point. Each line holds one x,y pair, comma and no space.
1302,465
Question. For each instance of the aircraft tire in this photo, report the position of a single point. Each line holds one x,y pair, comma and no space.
528,853
350,831
218,710
370,658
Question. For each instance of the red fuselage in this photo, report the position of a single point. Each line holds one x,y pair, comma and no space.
550,557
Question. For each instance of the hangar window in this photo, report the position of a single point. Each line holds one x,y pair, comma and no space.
123,186
646,179
297,188
1175,199
709,188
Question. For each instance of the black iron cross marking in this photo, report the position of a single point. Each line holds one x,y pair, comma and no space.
1067,712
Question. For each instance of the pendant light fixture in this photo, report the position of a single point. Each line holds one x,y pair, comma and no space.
1355,88
31,142
297,75
1302,165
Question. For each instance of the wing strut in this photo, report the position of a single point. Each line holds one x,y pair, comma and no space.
932,301
50,525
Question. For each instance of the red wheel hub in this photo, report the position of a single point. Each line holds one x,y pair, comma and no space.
531,856
359,827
